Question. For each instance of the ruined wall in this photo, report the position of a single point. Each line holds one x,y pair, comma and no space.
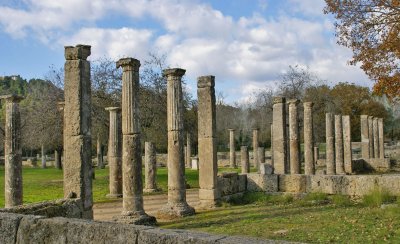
18,228
352,185
231,185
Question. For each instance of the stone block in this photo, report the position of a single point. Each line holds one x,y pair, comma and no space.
263,183
9,226
293,183
266,169
78,52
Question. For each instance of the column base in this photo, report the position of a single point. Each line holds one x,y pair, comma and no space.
209,198
114,195
151,190
175,210
138,218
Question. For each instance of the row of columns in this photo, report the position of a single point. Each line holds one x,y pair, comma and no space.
372,137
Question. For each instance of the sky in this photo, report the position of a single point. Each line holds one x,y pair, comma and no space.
246,44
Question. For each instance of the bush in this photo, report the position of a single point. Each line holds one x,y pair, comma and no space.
378,196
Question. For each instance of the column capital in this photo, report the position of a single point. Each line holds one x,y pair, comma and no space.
308,104
12,98
231,129
111,109
206,81
255,128
128,64
78,52
364,116
175,72
278,100
293,101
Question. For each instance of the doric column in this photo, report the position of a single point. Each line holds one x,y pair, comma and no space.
279,136
232,154
371,136
330,144
244,158
347,153
256,163
339,145
309,167
261,155
132,185
364,136
376,137
188,151
208,194
150,167
177,205
77,119
114,153
12,152
60,107
294,142
381,138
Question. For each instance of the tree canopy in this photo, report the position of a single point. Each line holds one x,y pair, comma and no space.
371,29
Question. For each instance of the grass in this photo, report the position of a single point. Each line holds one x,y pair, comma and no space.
280,217
378,196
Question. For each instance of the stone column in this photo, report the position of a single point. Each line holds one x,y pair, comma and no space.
376,137
294,142
150,167
12,152
114,153
208,194
364,136
255,149
77,135
43,157
232,154
309,167
60,107
177,205
279,136
339,145
261,155
188,151
100,163
132,188
185,153
330,144
347,153
381,139
244,158
371,136
272,145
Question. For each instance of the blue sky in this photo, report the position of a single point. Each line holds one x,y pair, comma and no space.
246,44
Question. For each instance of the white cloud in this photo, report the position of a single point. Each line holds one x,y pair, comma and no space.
249,53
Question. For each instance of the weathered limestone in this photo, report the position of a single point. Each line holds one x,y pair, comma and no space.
376,137
339,145
244,158
371,136
177,205
43,157
232,154
132,188
261,155
330,144
188,151
185,154
309,167
150,167
100,162
77,121
57,159
294,142
12,152
279,136
209,194
381,136
272,145
364,137
347,153
114,153
256,163
60,107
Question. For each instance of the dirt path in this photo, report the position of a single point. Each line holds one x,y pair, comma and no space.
152,203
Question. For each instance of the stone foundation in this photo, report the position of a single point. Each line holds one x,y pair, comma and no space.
18,228
231,185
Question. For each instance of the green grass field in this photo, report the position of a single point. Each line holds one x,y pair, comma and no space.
318,218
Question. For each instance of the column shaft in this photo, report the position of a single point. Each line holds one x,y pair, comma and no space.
256,162
371,136
364,137
330,144
348,157
381,139
232,154
309,167
294,142
188,151
279,136
114,153
376,137
339,145
150,167
244,158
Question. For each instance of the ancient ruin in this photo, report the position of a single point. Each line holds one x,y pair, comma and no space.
150,167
